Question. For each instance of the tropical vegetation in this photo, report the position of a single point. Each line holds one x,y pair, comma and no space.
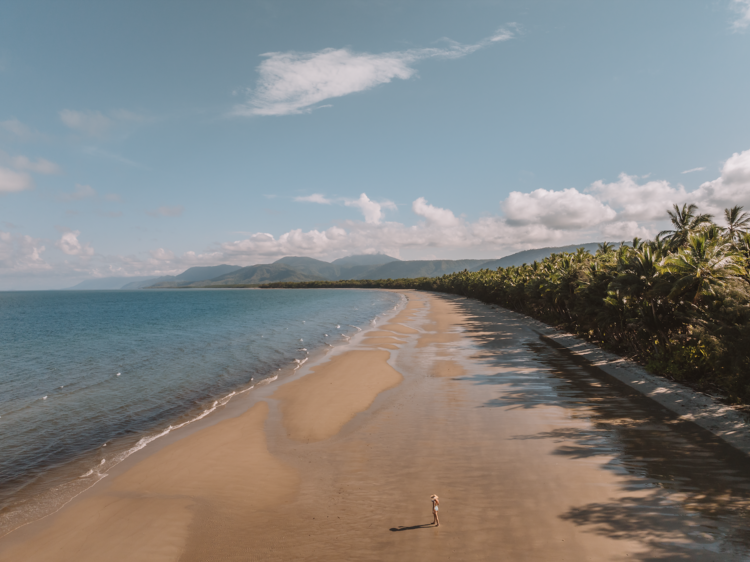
679,304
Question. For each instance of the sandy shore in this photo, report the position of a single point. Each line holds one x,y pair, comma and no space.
533,459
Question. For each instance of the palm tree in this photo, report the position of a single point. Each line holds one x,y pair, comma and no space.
702,267
737,222
685,222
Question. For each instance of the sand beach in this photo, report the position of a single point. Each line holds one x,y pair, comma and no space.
534,459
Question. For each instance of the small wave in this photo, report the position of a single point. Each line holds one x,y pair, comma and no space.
345,336
118,374
246,390
44,397
267,381
357,327
338,326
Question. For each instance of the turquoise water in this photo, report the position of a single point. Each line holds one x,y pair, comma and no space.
87,378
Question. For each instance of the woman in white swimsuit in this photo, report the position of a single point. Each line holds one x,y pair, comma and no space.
435,504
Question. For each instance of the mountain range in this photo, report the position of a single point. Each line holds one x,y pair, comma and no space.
371,266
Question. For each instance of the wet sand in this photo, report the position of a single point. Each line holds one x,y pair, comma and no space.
534,457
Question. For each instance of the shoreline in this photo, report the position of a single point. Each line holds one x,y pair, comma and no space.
533,459
48,502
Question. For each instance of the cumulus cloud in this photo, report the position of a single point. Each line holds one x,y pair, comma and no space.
12,181
80,192
742,9
292,83
434,215
314,198
70,245
372,211
731,188
566,209
92,123
614,211
20,254
642,202
167,211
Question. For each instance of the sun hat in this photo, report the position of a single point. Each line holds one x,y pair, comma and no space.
433,497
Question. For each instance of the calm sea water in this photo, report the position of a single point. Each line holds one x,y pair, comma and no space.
87,378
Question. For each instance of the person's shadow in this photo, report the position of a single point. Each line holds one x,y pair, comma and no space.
402,528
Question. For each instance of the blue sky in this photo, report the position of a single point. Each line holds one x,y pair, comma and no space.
143,138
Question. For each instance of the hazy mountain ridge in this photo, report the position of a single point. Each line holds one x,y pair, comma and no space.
198,273
297,268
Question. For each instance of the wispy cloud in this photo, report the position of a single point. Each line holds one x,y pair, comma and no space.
167,211
40,166
691,170
12,181
292,82
80,192
92,123
96,151
314,198
96,123
742,9
20,131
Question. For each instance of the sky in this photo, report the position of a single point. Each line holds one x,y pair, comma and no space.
143,138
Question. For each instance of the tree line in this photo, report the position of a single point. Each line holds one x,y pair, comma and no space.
679,304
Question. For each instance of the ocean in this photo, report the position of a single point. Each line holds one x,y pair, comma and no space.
87,378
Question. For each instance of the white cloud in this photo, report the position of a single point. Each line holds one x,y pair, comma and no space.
20,254
612,211
292,83
372,211
642,202
80,192
742,9
41,166
566,209
90,122
12,181
626,230
70,245
731,188
167,211
691,170
434,215
314,198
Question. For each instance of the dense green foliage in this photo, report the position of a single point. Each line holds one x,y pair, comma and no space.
680,304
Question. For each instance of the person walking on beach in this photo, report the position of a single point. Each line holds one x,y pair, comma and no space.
435,504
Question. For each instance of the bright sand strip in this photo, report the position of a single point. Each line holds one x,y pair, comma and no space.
350,454
318,405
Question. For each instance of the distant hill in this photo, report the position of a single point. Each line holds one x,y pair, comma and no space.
368,260
530,256
377,266
251,275
418,268
107,283
130,283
